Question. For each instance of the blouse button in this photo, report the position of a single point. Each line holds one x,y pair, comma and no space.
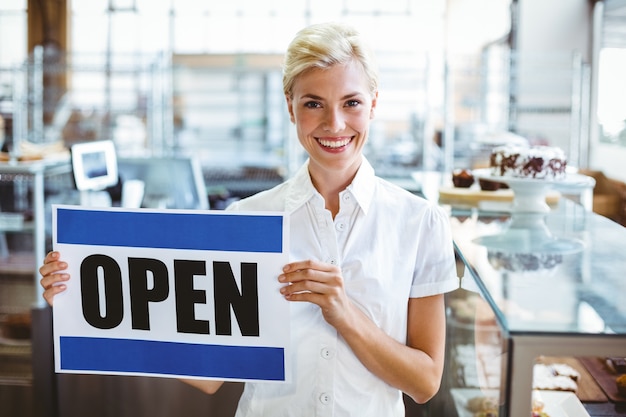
346,197
325,398
326,353
341,226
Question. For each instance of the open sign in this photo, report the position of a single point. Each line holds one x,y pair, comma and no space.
172,293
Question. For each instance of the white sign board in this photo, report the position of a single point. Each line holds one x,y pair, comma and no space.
172,293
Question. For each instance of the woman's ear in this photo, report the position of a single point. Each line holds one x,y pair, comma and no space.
374,102
290,108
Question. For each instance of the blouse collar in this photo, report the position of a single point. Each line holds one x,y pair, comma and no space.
301,188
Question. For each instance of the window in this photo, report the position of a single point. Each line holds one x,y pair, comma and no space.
611,69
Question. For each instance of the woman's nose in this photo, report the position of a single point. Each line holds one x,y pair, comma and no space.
333,120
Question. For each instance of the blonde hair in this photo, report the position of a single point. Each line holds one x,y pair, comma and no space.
322,46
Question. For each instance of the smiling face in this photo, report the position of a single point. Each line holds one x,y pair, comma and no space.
332,109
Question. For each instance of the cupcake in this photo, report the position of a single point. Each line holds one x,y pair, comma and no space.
462,178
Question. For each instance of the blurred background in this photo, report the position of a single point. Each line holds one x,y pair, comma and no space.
190,92
167,78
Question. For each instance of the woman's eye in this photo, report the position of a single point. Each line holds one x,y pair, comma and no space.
312,105
353,103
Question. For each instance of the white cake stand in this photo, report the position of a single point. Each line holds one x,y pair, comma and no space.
528,232
529,194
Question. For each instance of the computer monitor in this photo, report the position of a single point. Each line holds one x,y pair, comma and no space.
169,182
94,165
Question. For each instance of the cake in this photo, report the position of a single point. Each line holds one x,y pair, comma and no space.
536,162
462,178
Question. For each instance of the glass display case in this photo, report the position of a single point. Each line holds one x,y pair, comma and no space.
540,292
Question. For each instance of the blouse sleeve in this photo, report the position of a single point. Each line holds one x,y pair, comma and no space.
435,267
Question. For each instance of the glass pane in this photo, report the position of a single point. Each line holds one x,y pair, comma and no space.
256,8
254,34
379,6
12,39
123,4
298,8
89,34
88,89
154,33
476,358
612,96
91,6
190,34
124,32
283,31
194,6
154,7
12,5
323,10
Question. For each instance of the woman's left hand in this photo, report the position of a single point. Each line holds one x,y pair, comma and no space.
318,283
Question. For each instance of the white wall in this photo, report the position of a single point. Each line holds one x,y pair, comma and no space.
555,25
554,41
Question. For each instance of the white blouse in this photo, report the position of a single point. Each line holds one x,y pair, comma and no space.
391,246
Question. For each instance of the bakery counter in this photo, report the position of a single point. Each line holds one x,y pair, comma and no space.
536,287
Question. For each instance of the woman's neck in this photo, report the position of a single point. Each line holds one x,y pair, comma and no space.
330,183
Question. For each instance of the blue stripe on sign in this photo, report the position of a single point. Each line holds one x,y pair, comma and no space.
169,358
200,231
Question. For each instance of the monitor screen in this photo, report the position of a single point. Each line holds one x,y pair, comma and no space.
94,165
170,182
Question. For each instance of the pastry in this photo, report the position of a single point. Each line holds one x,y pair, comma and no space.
620,381
617,365
462,178
489,185
561,377
483,404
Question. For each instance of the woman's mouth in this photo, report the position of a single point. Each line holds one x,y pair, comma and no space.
334,143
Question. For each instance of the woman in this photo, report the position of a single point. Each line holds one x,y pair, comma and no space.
371,261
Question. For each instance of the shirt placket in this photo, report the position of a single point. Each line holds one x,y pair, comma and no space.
327,343
333,235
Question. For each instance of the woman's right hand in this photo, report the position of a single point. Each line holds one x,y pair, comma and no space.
53,279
